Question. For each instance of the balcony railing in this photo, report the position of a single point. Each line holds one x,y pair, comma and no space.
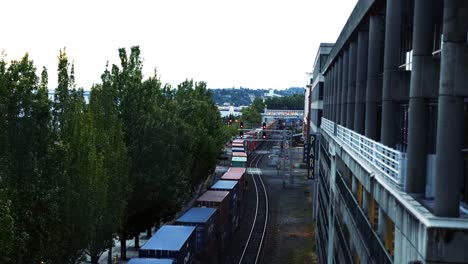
389,162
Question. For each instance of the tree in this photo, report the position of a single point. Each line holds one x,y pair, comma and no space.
79,165
250,115
7,234
109,199
292,102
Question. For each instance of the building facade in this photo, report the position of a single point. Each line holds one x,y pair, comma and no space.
313,107
393,185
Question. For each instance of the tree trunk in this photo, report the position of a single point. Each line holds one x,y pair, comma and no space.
148,232
137,240
94,259
109,255
123,248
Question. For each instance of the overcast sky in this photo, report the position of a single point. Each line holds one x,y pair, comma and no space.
248,43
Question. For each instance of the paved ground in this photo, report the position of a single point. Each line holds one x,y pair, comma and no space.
290,235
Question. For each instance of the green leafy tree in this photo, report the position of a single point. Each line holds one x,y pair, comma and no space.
110,186
79,166
292,102
7,234
251,116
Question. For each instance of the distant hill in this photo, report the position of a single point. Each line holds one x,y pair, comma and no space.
245,96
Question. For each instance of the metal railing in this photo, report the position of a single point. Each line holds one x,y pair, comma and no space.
389,162
327,126
283,113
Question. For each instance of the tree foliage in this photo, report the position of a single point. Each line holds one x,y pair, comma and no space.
292,102
74,176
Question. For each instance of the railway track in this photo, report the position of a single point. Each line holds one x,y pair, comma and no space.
254,243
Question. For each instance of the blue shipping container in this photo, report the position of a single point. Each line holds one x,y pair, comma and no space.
171,242
232,188
204,219
150,261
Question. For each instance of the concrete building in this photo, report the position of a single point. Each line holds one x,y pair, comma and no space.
393,150
313,106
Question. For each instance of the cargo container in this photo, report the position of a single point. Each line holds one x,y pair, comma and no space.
238,145
238,142
238,149
204,219
239,154
236,174
150,261
239,162
225,232
171,242
232,188
216,199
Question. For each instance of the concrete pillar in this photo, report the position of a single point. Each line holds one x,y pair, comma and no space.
420,88
352,60
326,93
338,80
344,87
354,185
365,201
452,89
324,109
381,224
330,92
374,82
334,90
393,21
361,75
331,207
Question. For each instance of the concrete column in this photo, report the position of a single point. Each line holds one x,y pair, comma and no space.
327,95
393,21
334,90
374,82
324,113
338,81
421,85
344,87
332,93
365,201
361,75
352,60
331,211
381,224
452,89
354,185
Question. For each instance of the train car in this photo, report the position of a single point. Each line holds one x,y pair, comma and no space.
219,200
216,199
236,174
239,154
150,261
171,242
204,219
239,161
238,149
238,143
232,188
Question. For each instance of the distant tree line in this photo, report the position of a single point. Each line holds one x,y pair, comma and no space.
292,102
242,96
74,176
252,114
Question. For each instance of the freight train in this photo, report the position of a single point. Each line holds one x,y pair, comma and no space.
206,229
